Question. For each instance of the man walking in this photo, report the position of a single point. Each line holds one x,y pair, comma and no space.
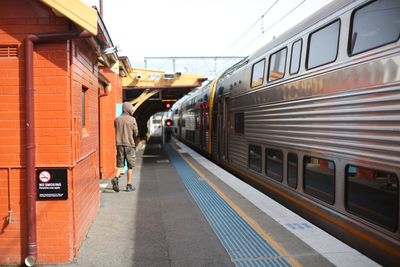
125,132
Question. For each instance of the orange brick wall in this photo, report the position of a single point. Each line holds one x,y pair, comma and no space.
107,116
12,246
86,174
52,107
53,146
60,139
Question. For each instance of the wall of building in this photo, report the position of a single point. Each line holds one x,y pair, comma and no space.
60,72
107,116
53,146
86,173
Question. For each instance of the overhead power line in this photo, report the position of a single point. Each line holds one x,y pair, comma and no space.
205,65
276,22
254,24
287,14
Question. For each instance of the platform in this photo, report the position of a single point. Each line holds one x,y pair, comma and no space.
186,211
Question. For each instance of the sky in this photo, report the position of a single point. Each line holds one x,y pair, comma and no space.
198,28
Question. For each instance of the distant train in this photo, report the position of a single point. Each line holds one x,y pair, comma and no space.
313,120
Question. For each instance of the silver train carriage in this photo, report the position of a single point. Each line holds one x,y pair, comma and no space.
313,120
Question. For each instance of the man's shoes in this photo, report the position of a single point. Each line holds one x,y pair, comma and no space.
130,188
114,182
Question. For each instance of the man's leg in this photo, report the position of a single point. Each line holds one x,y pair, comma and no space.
131,158
120,164
119,171
129,176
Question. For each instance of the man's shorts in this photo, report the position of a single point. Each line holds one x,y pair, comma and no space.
127,153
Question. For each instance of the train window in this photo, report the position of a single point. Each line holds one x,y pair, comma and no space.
292,170
296,55
319,178
274,164
277,63
255,156
257,74
374,25
323,45
239,123
373,195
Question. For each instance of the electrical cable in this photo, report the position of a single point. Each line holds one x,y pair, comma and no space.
279,20
254,24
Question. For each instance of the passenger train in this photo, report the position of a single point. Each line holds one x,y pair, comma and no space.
312,119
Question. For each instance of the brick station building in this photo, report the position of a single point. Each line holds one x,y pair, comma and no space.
56,115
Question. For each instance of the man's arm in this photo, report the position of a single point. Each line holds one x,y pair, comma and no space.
135,128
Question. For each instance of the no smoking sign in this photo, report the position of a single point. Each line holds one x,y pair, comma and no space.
52,184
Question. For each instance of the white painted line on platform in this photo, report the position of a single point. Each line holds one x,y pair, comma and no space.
151,156
331,248
163,161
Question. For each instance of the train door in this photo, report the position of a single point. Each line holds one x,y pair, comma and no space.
226,128
202,126
206,126
222,131
219,127
216,125
180,123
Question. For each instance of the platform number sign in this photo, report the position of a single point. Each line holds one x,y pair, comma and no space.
52,184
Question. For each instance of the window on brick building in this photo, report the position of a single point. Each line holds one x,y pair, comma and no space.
84,92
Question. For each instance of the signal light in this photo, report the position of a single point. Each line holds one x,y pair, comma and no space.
168,103
168,123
